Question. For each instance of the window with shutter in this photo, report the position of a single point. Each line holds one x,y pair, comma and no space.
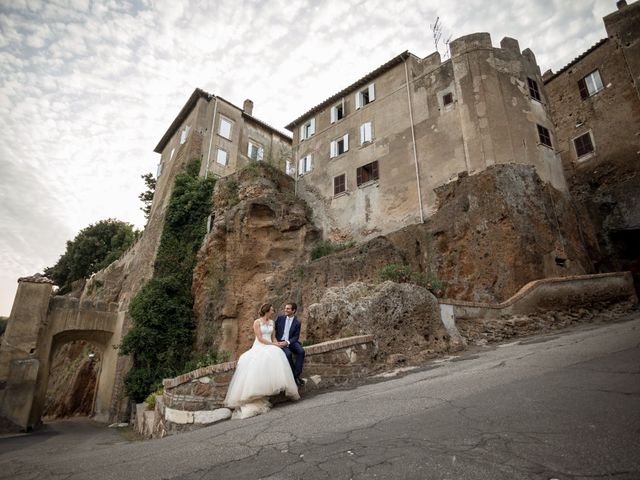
534,91
255,151
339,184
366,133
337,112
590,84
367,173
308,129
544,136
583,145
365,96
226,125
222,157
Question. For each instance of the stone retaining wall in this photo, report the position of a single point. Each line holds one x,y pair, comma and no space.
196,398
542,305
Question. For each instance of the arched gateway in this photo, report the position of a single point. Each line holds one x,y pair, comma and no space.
39,324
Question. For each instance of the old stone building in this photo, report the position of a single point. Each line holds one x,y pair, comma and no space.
230,136
595,107
370,156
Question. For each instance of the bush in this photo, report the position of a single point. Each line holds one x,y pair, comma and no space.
402,274
327,247
160,340
309,341
151,399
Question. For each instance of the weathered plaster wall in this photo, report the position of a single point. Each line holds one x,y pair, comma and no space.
492,120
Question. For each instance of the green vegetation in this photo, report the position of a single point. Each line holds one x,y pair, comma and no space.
309,341
95,247
327,247
151,398
402,274
147,196
161,337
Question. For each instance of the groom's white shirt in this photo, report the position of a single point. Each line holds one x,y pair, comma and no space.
287,327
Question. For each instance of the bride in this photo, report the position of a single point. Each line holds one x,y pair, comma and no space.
261,371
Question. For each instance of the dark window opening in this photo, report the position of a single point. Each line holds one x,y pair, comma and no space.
534,91
339,184
364,95
583,145
447,99
340,146
544,136
367,173
339,112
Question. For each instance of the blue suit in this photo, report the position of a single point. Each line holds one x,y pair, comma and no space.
294,346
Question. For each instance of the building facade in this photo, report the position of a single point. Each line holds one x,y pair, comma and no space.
595,99
369,157
595,106
230,136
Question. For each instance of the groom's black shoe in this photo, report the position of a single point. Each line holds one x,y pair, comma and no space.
300,382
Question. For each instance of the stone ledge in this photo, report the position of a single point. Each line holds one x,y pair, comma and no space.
316,349
529,287
337,344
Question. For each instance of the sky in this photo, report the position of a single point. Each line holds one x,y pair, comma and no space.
88,88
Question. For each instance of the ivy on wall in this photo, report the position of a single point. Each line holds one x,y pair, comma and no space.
160,340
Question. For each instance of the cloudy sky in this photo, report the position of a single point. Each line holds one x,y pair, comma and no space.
87,88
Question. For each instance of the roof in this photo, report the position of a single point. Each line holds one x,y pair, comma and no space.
576,60
188,107
358,83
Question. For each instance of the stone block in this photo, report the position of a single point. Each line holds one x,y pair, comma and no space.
211,416
181,417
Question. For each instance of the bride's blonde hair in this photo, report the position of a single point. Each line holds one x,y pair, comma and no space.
265,308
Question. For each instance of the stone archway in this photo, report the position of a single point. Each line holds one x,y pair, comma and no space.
38,325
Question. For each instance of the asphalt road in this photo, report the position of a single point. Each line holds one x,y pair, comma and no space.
562,406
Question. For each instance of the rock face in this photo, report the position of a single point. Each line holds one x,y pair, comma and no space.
261,233
404,318
493,233
73,380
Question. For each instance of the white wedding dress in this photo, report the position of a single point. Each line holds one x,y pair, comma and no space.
262,371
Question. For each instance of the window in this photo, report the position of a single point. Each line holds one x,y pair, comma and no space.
590,85
534,91
366,96
367,173
583,144
225,127
184,134
339,146
159,170
255,151
304,165
544,136
337,112
222,157
291,170
339,184
366,134
308,129
447,99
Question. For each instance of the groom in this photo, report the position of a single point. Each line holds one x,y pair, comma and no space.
288,330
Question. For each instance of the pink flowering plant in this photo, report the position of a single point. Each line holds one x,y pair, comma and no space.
403,274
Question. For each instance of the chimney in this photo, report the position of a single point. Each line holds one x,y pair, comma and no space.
247,107
621,4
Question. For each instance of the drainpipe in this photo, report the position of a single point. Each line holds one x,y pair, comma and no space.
213,123
413,138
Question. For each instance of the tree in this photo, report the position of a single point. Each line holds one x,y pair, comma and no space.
147,196
95,247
